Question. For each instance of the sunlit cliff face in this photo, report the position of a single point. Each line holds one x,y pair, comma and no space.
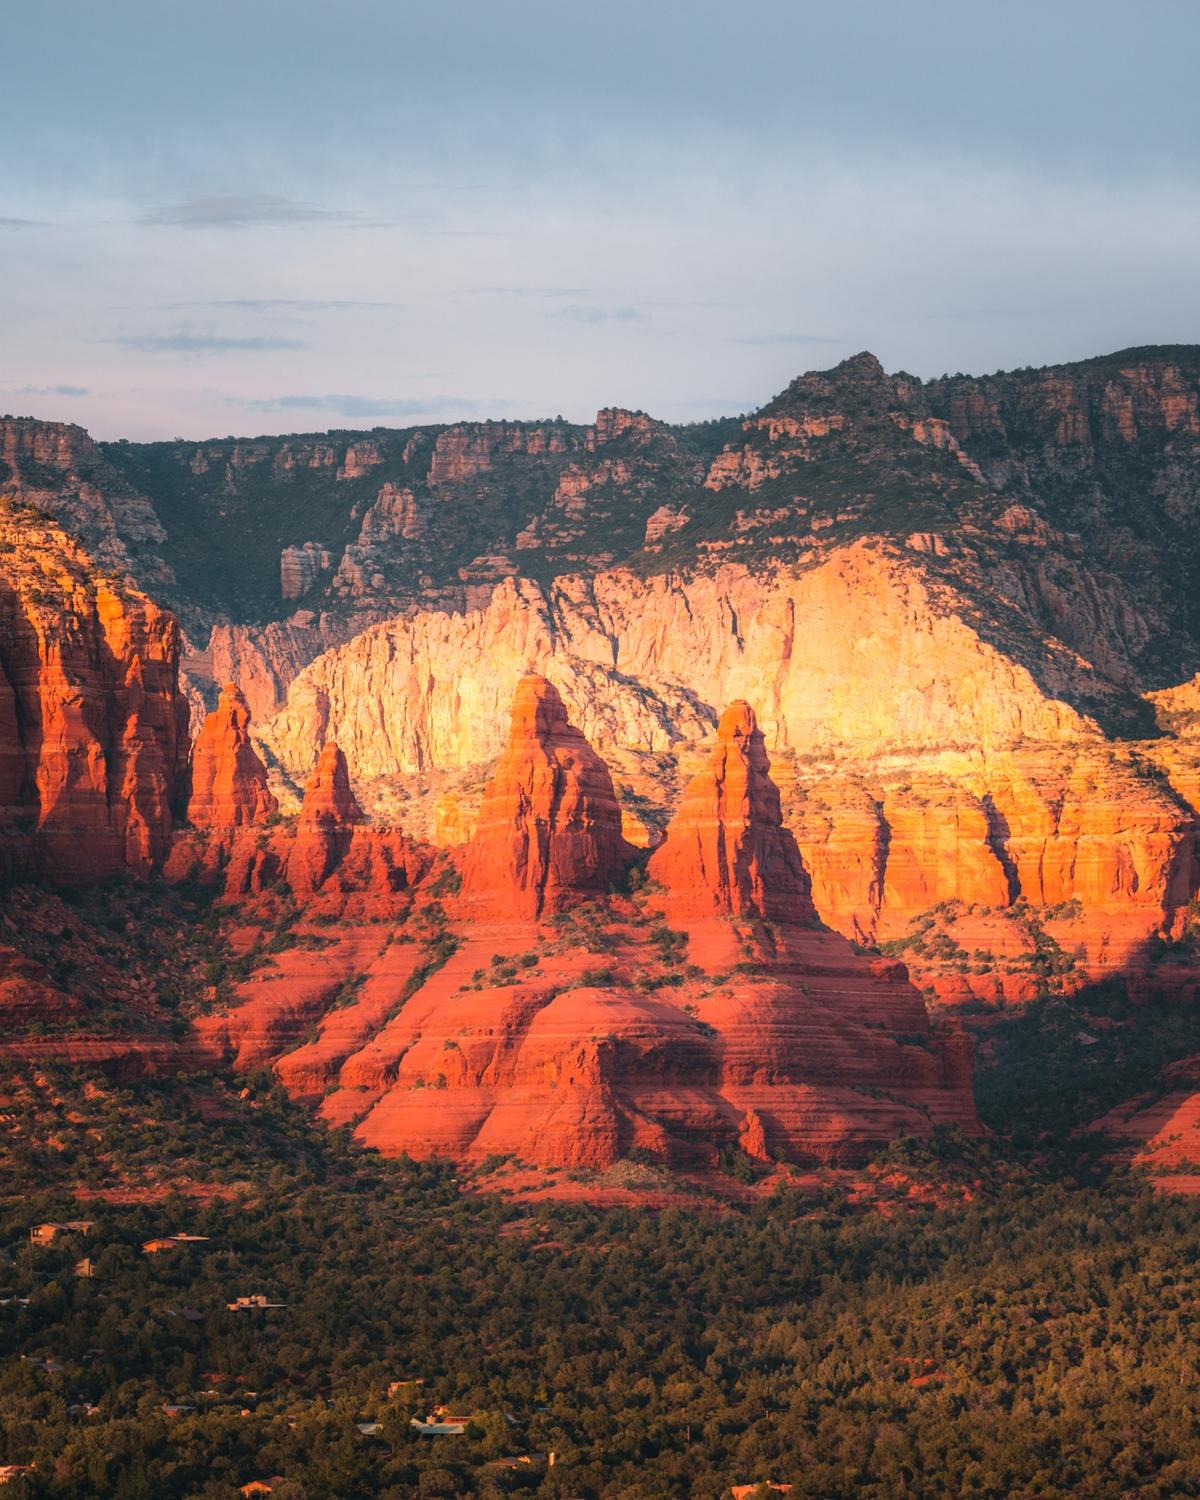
512,1004
883,662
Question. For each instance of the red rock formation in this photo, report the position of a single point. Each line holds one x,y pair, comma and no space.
301,567
472,447
28,995
60,469
614,422
329,801
753,1137
297,989
229,780
326,827
727,850
328,856
820,1057
549,828
809,1051
92,723
361,457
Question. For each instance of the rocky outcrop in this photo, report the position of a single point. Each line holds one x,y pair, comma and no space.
924,767
329,800
855,656
1138,396
329,857
549,828
1004,876
473,447
92,724
1020,485
59,468
660,523
301,567
229,781
263,661
326,825
779,1039
546,1018
615,424
727,851
957,606
391,520
361,457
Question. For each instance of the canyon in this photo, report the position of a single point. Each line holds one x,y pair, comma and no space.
526,1004
93,725
956,620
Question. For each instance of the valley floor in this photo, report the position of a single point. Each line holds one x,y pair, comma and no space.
1007,1318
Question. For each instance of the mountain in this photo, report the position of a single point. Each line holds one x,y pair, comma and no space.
962,609
93,725
340,525
961,614
521,1005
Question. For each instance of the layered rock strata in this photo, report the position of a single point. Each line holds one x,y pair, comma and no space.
923,768
727,851
549,827
228,778
93,738
548,1019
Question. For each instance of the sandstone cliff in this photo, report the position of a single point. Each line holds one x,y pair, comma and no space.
549,828
727,851
544,1018
93,736
959,607
59,468
857,654
924,768
228,778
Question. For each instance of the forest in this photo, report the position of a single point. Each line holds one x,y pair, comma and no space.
1023,1328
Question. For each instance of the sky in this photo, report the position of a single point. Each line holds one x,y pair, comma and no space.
251,216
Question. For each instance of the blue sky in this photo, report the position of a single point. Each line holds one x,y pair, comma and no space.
277,215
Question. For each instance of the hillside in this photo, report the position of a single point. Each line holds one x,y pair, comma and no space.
961,612
1063,499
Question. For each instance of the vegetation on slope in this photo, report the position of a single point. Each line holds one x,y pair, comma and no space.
1030,1339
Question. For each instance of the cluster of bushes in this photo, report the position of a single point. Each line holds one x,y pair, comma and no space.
1032,1342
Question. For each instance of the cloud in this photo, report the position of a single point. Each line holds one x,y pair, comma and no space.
185,342
7,221
589,312
791,338
249,209
549,292
268,304
698,302
372,406
50,390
